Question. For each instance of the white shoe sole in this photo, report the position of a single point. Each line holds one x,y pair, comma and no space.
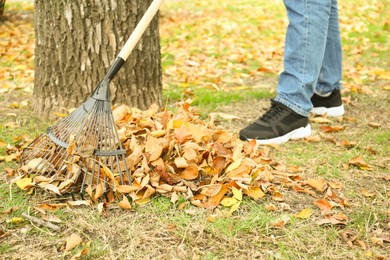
333,111
298,133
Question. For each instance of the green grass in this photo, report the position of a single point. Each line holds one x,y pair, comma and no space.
159,228
208,100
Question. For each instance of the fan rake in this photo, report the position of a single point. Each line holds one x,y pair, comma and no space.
85,149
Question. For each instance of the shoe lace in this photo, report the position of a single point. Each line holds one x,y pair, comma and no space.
273,113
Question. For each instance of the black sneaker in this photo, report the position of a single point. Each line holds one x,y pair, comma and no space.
330,105
278,125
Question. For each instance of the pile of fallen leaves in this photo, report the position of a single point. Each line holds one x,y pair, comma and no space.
181,156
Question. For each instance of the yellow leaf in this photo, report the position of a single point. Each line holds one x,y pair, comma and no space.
305,213
109,174
16,220
72,241
228,202
234,165
237,193
234,207
25,183
124,203
254,192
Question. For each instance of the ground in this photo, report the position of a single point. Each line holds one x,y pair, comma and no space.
352,151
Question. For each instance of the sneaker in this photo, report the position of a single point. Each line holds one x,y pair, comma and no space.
278,125
330,105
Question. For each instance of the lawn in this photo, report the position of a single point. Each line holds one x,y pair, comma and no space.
225,56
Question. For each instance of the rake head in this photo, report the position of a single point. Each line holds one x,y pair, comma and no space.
83,149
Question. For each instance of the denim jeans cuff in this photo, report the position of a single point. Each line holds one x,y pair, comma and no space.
293,106
323,90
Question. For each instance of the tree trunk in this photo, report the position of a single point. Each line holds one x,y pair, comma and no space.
76,42
2,6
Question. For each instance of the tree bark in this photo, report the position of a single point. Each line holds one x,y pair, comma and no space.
2,6
76,42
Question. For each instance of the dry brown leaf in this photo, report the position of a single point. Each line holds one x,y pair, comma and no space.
318,184
128,188
331,129
320,120
52,188
124,203
313,138
71,149
191,172
72,241
99,191
270,207
374,125
359,161
329,219
210,190
277,196
10,210
181,162
367,193
76,203
323,204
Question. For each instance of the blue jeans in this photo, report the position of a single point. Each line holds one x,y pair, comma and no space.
312,53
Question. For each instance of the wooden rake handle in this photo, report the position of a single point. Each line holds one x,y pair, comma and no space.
140,29
102,91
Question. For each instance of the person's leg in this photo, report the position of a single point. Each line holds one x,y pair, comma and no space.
331,70
327,98
304,51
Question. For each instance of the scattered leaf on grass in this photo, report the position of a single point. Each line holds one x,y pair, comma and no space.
318,184
320,120
281,222
270,207
305,213
366,193
331,129
72,241
329,219
374,125
313,138
15,220
359,161
10,210
323,204
2,144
